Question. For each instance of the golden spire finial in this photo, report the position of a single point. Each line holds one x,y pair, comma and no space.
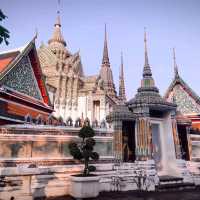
58,23
57,34
58,15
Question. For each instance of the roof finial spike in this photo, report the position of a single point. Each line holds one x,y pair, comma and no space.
57,35
122,58
58,23
105,33
105,59
36,34
145,48
122,93
147,69
175,64
122,65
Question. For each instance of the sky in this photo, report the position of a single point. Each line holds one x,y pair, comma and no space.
169,23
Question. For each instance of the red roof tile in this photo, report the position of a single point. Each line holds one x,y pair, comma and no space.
24,97
6,59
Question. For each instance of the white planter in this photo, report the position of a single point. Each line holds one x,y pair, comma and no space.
84,187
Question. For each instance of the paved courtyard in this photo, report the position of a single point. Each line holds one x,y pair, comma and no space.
174,195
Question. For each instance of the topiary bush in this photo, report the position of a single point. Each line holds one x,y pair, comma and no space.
84,151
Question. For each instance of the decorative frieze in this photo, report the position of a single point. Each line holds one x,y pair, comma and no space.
21,78
185,103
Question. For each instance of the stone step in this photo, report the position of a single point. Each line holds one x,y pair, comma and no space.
167,178
175,186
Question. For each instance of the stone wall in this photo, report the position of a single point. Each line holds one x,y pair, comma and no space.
35,159
45,145
28,183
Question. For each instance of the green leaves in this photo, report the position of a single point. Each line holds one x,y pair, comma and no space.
95,156
75,151
2,16
86,132
4,33
90,142
72,145
84,151
91,168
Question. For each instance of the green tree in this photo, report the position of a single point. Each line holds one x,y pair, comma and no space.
84,151
4,33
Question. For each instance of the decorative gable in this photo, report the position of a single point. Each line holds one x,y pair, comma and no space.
185,103
21,78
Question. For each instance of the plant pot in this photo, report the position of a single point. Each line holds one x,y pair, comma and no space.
84,187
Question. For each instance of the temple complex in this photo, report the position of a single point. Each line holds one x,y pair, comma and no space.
45,98
144,124
74,95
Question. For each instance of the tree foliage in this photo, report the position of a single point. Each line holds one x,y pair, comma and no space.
84,151
86,132
4,33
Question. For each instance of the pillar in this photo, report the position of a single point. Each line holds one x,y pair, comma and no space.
118,146
143,139
175,137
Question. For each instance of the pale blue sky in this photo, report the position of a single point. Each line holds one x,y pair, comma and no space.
170,23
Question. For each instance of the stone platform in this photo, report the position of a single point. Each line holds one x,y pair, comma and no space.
134,195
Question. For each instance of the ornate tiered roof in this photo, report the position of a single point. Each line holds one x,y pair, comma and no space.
56,53
21,81
182,94
57,35
148,94
27,54
57,42
120,112
178,80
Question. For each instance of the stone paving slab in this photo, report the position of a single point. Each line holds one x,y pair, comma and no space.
133,195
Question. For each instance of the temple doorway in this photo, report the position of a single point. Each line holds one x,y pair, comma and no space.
156,145
128,139
182,133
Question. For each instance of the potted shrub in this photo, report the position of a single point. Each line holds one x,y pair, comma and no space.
85,185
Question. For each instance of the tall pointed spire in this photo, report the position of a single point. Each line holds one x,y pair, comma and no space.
105,59
147,100
147,80
145,49
57,35
147,69
106,71
122,93
175,64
